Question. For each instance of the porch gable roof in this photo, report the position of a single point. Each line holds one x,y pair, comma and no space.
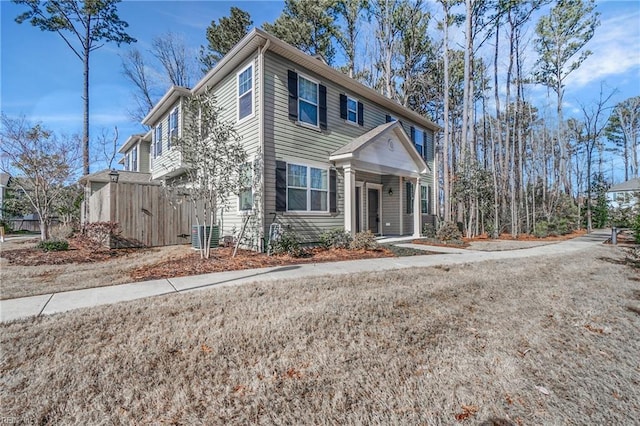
379,141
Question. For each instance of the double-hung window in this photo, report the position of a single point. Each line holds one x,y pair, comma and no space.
245,196
134,158
126,161
424,199
245,92
307,188
352,110
173,126
307,101
419,141
158,141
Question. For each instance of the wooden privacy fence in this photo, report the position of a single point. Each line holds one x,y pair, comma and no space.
144,213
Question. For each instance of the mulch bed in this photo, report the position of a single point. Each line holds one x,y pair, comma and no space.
81,250
221,261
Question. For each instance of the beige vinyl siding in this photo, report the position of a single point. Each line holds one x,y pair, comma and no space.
391,205
226,93
288,141
169,160
144,155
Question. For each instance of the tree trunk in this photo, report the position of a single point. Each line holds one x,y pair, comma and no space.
85,99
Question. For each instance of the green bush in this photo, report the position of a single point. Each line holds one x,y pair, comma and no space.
364,241
449,231
53,245
541,230
635,225
428,230
335,238
288,243
563,226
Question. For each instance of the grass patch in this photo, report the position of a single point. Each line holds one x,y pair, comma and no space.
504,342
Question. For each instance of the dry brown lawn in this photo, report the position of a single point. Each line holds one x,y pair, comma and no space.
42,275
550,340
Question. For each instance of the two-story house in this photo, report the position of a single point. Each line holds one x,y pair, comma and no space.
334,153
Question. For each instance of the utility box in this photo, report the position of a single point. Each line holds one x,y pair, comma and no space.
199,243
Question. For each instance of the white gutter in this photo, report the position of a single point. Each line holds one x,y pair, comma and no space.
261,135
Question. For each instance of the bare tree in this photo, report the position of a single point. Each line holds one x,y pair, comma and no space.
41,164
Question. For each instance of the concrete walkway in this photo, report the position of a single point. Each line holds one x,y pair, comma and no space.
47,304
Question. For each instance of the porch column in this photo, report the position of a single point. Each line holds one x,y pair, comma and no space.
417,212
349,199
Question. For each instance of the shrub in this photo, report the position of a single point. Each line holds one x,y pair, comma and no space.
449,231
288,243
53,245
635,225
428,230
335,238
61,232
563,226
364,241
541,230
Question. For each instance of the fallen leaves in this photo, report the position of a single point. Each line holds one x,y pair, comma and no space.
221,261
467,411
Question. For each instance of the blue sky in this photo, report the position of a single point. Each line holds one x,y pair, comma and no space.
42,79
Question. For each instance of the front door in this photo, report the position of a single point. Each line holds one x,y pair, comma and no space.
373,210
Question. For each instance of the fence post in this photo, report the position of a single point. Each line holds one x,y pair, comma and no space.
614,235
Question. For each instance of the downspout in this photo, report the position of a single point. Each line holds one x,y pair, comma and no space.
261,140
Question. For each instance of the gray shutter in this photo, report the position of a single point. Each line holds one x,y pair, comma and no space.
409,197
333,199
281,186
343,106
293,94
323,106
413,134
425,147
429,200
361,113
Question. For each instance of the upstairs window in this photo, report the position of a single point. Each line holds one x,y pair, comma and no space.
126,161
245,92
173,126
351,110
158,141
134,159
307,101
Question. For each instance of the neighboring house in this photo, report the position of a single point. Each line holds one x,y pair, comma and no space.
333,152
625,194
135,153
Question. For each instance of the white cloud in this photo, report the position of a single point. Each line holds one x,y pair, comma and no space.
616,51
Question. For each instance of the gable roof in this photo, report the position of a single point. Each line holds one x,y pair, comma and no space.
375,135
259,39
630,185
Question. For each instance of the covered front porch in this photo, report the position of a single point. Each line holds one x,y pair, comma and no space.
382,172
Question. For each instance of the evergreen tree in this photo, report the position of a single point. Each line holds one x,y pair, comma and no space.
222,36
84,26
308,25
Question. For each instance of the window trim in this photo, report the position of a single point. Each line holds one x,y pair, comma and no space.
424,208
157,143
238,95
349,98
173,132
308,188
134,158
421,132
317,104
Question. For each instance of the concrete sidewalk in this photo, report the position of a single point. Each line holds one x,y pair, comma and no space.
51,303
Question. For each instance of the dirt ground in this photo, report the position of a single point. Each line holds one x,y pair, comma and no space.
547,340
